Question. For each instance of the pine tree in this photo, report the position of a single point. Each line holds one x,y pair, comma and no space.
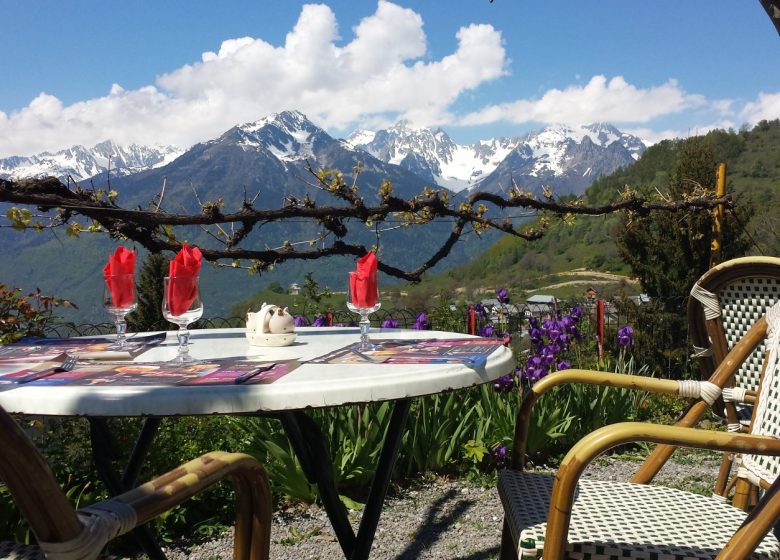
668,252
148,315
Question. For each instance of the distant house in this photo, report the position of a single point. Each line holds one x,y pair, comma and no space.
294,289
541,304
591,293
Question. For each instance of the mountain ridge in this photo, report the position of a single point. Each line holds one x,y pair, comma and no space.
571,156
80,162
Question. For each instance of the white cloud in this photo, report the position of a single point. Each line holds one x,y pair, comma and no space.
613,100
767,106
380,71
650,136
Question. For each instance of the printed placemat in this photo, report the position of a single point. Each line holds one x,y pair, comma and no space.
228,371
467,351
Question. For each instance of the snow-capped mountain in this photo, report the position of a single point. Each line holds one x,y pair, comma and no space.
574,156
288,136
81,163
433,155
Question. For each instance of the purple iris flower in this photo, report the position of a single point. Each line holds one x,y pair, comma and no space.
499,452
389,323
625,336
576,312
486,331
555,330
319,321
562,365
533,322
480,310
535,335
504,384
421,324
535,373
502,295
301,321
352,324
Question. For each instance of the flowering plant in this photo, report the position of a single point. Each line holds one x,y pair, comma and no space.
550,339
422,323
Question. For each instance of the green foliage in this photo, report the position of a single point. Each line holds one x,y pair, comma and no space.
312,296
25,315
669,252
569,412
148,315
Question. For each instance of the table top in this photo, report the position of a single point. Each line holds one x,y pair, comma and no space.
307,386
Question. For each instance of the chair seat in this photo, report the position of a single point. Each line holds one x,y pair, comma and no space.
624,520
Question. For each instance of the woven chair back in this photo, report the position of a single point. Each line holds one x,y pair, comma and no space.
766,417
744,290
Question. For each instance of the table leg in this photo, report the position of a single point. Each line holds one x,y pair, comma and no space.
310,447
381,482
103,450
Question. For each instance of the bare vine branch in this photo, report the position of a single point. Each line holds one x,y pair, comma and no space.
153,229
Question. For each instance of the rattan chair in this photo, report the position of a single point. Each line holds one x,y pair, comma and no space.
64,533
567,517
724,303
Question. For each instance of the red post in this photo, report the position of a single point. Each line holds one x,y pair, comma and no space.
600,326
329,318
472,320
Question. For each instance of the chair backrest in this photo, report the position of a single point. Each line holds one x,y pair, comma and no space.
33,486
724,303
766,416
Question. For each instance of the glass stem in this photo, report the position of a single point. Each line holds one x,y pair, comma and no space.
121,330
184,348
365,326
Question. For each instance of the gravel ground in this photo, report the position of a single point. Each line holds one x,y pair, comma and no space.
437,519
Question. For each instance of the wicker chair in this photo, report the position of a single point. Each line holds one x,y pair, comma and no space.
724,303
64,533
572,518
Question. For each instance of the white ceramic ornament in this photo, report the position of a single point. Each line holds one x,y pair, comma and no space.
271,326
281,322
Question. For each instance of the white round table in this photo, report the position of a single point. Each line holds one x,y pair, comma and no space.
307,386
311,385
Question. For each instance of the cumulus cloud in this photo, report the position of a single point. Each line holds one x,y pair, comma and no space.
381,70
767,106
614,100
651,136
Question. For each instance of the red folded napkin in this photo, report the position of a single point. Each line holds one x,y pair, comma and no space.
119,271
183,283
363,282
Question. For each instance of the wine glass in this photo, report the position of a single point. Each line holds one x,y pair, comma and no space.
119,299
355,305
182,305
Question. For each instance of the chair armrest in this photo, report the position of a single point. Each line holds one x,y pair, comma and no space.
583,376
253,495
599,441
692,414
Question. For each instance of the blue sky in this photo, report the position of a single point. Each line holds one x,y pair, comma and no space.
179,72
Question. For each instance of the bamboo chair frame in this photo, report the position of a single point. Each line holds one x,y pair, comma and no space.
53,519
755,527
710,333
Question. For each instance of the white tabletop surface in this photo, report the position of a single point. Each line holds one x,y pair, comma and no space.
310,385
